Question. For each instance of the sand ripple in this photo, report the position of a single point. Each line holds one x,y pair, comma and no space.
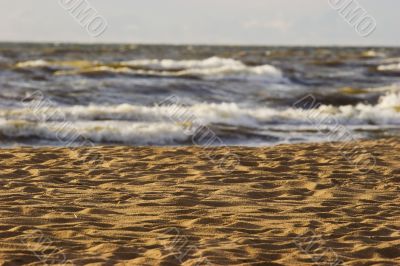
172,206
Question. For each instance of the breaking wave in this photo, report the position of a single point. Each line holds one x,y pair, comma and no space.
132,124
113,132
390,68
211,68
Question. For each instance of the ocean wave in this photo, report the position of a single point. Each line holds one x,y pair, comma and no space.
56,64
211,68
390,60
372,54
34,113
168,125
386,111
111,132
391,68
33,63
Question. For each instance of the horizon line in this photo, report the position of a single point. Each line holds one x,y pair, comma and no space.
201,44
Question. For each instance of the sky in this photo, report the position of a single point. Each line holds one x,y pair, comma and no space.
232,22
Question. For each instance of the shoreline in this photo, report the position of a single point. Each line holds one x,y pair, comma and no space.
290,204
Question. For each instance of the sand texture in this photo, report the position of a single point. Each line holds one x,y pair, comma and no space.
285,205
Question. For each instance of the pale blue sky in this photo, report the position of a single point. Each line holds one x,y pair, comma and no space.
255,22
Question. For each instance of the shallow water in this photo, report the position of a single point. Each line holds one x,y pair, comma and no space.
116,94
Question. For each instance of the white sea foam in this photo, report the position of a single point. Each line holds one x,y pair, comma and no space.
385,111
211,68
112,131
33,63
389,68
156,125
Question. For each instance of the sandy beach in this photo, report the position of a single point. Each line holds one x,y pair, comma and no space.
199,133
301,204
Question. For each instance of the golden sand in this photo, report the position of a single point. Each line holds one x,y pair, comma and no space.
285,205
